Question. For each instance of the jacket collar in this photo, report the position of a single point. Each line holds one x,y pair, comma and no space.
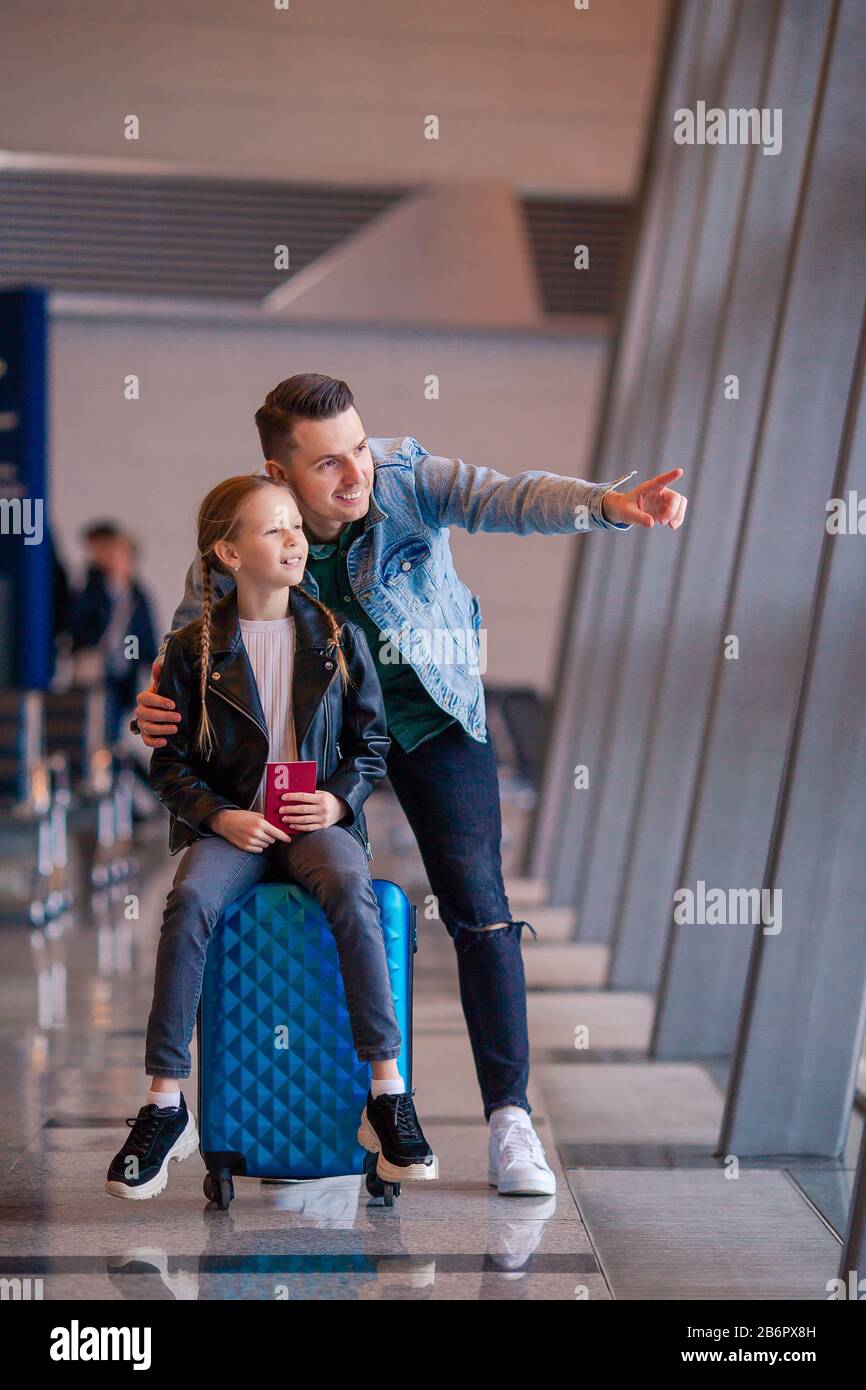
311,627
313,666
375,513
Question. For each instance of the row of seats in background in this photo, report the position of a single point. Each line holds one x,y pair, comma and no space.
61,790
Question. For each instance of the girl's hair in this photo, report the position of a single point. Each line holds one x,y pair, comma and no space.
219,518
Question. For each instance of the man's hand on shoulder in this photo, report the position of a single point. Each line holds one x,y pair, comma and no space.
650,502
155,714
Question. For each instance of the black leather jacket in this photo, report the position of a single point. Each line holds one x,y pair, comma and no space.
345,734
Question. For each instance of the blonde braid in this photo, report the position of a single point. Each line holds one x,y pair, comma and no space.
204,739
334,644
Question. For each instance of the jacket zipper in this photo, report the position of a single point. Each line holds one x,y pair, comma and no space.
327,726
229,701
234,704
350,828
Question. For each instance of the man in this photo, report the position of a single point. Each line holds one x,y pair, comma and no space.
111,608
376,513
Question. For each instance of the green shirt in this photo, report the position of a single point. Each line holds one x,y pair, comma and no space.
412,713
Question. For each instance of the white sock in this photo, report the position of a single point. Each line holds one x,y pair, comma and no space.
510,1112
162,1098
392,1086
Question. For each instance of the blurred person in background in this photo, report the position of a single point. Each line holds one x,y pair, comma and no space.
111,622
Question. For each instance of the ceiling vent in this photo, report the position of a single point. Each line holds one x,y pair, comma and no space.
139,235
178,237
556,226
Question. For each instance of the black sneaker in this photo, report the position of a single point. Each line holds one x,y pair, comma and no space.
389,1127
140,1169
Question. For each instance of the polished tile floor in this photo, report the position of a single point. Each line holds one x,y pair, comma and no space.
642,1208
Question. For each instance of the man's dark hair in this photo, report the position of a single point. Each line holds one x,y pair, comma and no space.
306,396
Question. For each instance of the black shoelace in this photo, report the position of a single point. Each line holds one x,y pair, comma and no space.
405,1122
143,1130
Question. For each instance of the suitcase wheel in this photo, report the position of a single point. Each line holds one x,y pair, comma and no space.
376,1186
220,1191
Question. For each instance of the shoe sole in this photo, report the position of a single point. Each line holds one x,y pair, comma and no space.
185,1144
394,1172
520,1191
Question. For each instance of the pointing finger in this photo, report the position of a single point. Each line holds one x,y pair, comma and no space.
660,481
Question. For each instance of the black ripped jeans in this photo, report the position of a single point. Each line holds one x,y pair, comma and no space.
449,790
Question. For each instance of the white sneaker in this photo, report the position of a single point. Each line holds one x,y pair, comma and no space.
516,1162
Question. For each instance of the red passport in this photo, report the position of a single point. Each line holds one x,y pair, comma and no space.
286,777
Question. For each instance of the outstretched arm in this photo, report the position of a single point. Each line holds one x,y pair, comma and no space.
452,492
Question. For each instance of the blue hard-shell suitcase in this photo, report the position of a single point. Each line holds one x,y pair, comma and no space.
280,1087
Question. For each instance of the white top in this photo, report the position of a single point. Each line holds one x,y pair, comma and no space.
271,650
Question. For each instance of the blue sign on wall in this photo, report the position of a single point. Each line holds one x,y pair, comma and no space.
26,567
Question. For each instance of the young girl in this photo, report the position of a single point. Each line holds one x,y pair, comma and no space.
267,674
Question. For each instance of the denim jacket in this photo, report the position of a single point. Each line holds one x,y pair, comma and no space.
402,572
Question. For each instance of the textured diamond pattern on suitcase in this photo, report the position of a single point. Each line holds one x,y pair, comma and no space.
272,963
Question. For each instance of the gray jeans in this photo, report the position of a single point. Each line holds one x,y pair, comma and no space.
332,866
